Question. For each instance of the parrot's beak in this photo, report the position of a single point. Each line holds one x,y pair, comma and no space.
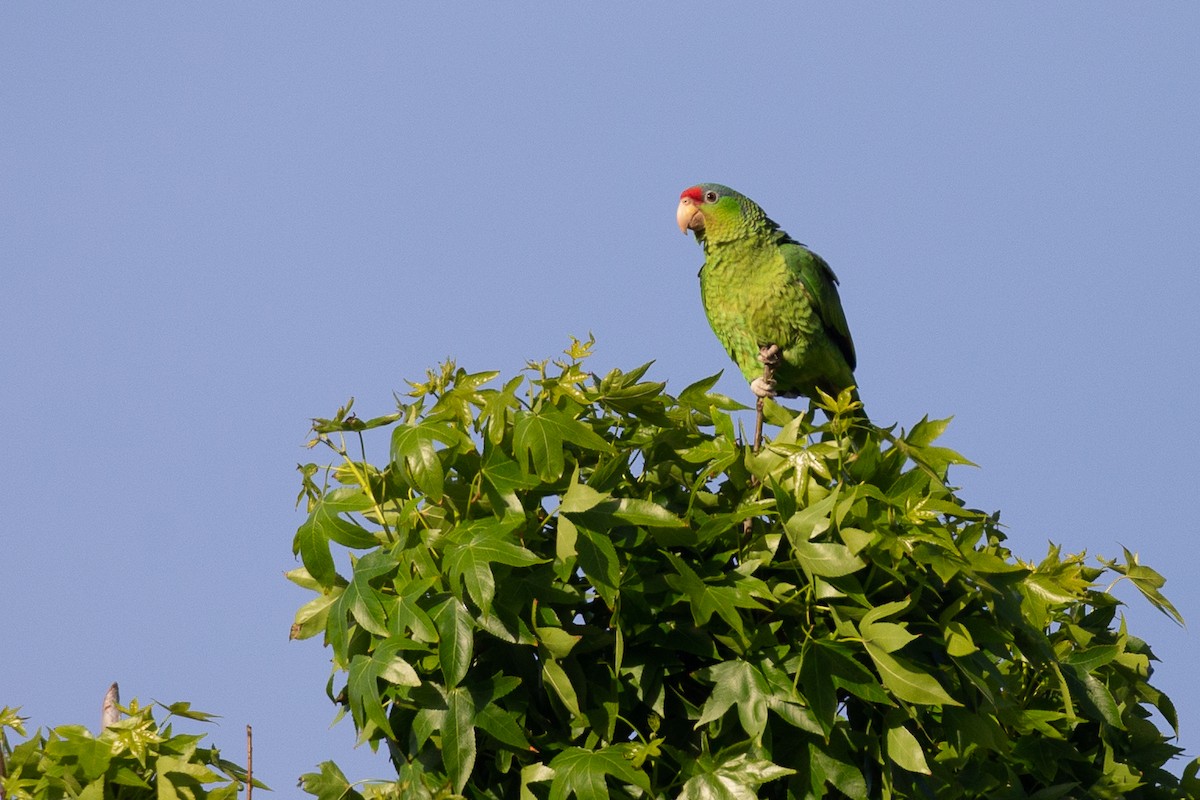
688,216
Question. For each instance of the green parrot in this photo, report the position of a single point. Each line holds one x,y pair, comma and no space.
768,298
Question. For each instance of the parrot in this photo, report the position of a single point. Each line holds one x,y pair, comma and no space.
769,299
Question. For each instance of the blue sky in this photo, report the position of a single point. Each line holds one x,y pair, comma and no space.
218,220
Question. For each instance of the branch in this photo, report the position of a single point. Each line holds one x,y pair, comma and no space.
249,762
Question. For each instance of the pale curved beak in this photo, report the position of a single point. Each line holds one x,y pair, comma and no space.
688,216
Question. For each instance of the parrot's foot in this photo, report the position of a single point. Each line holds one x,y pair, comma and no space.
762,388
769,355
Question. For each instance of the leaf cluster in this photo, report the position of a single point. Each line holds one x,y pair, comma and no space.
583,586
136,758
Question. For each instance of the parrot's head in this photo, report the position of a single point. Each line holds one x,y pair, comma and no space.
716,213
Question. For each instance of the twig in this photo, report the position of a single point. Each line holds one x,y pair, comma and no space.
249,762
769,356
110,711
758,420
3,771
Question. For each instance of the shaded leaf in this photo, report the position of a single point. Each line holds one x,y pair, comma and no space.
455,640
906,682
458,736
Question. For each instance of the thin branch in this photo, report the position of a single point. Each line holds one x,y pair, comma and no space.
249,762
769,356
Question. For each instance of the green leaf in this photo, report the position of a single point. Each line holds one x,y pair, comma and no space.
557,678
600,563
731,777
836,769
816,682
413,450
1091,658
707,599
959,642
473,547
390,666
906,682
538,444
534,773
926,431
811,520
458,737
494,416
741,684
456,641
538,438
644,512
91,756
329,784
366,703
326,516
699,396
566,547
1147,581
501,725
11,718
905,751
826,559
888,636
580,497
186,711
557,642
506,478
365,604
583,773
1100,698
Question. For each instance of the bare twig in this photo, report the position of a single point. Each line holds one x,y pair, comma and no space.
109,711
249,762
758,420
769,356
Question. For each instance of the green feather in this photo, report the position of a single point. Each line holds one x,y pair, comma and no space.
761,287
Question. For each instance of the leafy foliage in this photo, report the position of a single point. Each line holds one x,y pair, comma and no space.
134,758
581,586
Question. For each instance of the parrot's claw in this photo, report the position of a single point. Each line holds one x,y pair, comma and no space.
762,388
769,355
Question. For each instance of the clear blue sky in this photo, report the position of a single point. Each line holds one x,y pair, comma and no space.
220,219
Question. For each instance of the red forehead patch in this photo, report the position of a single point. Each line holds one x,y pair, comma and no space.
694,193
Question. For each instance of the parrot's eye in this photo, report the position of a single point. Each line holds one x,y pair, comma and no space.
710,196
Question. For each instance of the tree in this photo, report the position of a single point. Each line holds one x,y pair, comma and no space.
583,586
133,758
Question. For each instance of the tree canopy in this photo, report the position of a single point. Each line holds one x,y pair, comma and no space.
572,585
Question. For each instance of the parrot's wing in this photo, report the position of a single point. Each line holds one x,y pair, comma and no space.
821,284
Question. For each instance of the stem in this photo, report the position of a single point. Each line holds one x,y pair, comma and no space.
769,360
249,762
758,420
362,478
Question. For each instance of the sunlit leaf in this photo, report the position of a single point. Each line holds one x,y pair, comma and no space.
584,774
905,751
